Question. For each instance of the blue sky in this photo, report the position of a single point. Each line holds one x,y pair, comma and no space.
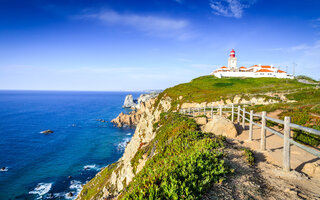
149,44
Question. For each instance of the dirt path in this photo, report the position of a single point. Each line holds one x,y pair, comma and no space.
296,182
261,181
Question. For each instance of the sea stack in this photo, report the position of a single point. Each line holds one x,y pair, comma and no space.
129,102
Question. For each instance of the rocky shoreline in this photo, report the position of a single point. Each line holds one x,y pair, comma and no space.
130,119
134,116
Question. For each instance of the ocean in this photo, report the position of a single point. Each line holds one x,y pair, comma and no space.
50,166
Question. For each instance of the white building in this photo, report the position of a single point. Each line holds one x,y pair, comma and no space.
255,71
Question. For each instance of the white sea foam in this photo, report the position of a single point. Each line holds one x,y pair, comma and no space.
75,187
41,189
122,145
128,133
89,167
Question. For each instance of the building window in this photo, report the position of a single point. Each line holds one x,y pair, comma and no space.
261,73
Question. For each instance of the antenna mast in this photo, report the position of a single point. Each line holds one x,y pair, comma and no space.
294,68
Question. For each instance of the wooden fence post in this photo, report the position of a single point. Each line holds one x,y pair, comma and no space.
251,125
189,111
204,110
232,113
238,117
263,131
193,112
211,112
286,145
220,110
244,118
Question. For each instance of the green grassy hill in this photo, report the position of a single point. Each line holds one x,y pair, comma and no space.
304,111
210,88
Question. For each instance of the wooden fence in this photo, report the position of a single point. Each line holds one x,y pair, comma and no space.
242,113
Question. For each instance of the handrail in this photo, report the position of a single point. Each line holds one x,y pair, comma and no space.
306,129
256,115
306,148
241,112
275,120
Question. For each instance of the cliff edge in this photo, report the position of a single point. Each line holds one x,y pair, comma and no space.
170,157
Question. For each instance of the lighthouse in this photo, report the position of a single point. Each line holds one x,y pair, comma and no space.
232,61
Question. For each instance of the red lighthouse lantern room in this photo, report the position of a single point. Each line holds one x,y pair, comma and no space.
232,53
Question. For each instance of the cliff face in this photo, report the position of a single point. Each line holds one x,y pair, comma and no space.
119,174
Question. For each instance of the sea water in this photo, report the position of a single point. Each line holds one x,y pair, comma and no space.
50,166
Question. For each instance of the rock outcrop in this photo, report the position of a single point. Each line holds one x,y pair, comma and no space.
268,98
130,119
129,102
221,126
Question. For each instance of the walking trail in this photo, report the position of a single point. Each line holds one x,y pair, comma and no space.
307,187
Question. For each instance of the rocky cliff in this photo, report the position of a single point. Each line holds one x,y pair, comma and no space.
121,173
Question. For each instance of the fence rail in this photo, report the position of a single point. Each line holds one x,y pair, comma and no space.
241,113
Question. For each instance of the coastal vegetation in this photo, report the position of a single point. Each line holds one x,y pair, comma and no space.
186,162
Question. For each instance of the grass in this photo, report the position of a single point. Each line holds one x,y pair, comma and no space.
210,88
184,166
305,111
249,156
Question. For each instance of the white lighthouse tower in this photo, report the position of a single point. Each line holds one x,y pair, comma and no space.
232,61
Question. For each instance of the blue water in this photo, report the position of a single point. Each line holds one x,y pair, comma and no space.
39,165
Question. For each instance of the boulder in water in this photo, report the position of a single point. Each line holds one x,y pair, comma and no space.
3,169
47,131
70,194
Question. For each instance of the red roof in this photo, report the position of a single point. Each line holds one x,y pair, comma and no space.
254,66
243,67
224,67
264,70
265,66
280,71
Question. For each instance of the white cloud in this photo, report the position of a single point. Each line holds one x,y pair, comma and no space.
295,48
149,24
179,1
305,56
316,23
230,8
